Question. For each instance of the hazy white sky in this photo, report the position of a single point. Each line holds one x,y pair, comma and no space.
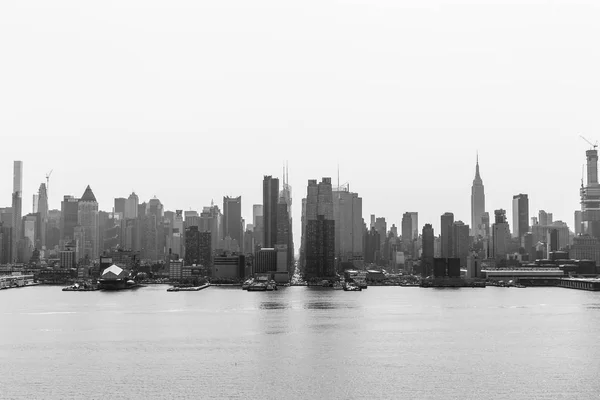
193,100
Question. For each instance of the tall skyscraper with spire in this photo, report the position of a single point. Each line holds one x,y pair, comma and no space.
17,208
477,204
88,224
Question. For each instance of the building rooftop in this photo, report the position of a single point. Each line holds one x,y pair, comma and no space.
88,195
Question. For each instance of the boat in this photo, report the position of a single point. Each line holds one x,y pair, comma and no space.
80,288
258,287
247,284
351,287
326,283
338,285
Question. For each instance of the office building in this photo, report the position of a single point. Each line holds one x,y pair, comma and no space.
349,231
520,215
229,267
446,223
87,219
428,251
120,206
585,247
131,206
408,232
461,242
68,218
265,260
270,201
578,223
232,219
477,205
590,196
285,233
500,236
320,230
17,207
258,222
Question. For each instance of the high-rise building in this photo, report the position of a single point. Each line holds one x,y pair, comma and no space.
232,219
408,233
87,218
120,205
461,242
211,220
68,218
283,230
43,211
349,231
265,260
500,236
520,215
590,196
447,220
17,206
477,204
381,228
543,218
192,246
428,251
285,233
259,228
320,230
578,222
270,201
131,206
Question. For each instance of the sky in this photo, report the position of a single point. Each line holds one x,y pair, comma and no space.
193,100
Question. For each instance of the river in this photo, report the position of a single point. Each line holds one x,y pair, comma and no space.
300,343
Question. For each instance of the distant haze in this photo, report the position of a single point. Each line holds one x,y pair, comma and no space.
194,100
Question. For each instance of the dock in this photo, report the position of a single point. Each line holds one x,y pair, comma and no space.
188,289
591,284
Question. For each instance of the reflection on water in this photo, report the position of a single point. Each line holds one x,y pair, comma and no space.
273,305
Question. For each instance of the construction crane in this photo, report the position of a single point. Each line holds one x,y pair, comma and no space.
594,145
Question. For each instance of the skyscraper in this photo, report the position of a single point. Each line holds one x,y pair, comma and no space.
68,218
17,206
270,200
285,233
232,219
477,204
120,205
43,211
407,233
428,251
131,206
500,236
258,222
320,230
349,231
447,220
590,197
520,215
461,242
87,219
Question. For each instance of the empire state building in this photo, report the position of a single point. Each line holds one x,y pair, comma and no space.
477,204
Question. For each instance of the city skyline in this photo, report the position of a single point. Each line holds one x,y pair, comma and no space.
248,216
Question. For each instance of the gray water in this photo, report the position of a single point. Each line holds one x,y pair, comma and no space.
300,343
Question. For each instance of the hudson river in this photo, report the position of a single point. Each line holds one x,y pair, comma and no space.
300,343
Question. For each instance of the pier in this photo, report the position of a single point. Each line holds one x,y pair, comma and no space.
592,284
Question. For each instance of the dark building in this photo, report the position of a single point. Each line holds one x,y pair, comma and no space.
229,267
320,230
453,267
120,205
205,249
5,243
192,246
553,242
372,246
447,221
428,252
68,217
265,260
446,267
439,267
283,224
270,201
520,215
461,242
232,219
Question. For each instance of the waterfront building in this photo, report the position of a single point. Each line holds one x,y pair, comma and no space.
520,215
585,247
428,251
67,258
265,260
232,219
320,230
447,242
5,242
347,210
87,218
478,205
270,201
229,267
